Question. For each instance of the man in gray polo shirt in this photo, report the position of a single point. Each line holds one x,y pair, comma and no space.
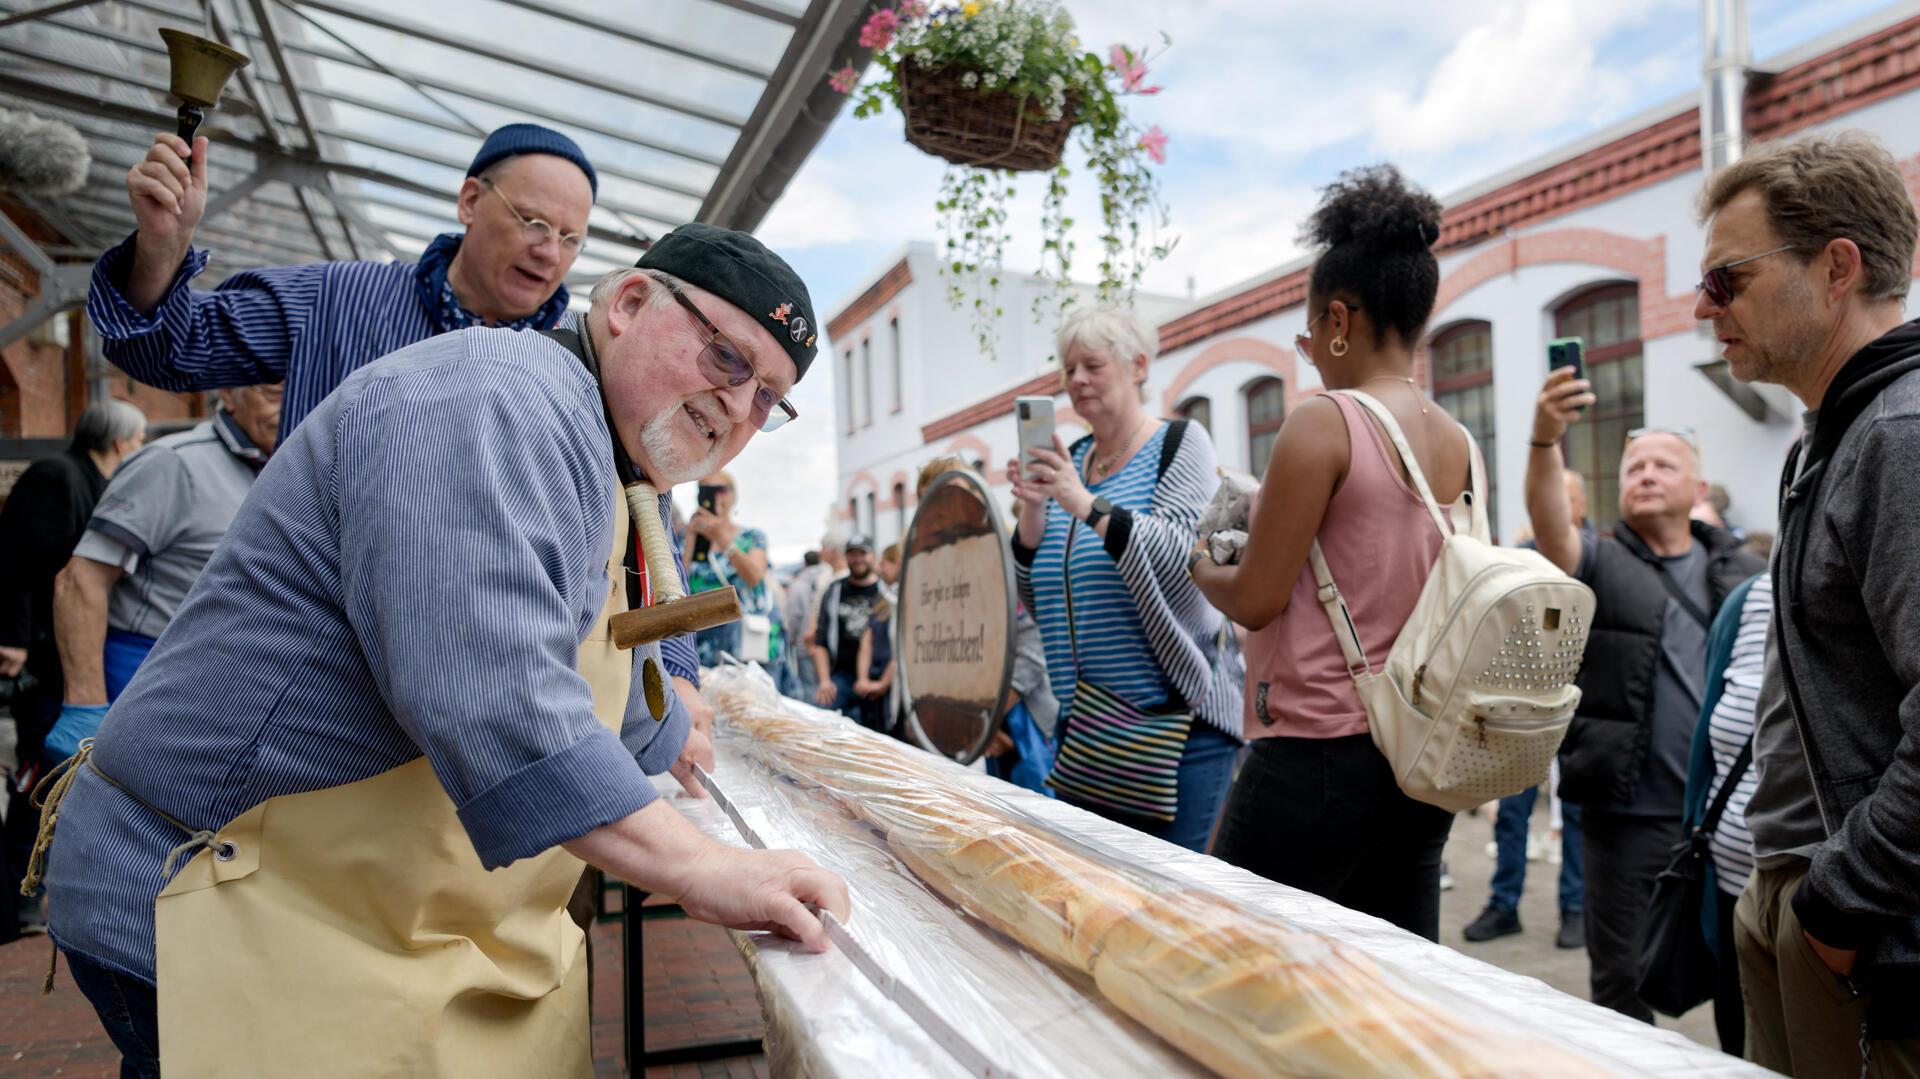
155,527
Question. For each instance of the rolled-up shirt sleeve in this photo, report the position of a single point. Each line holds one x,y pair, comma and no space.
240,334
474,527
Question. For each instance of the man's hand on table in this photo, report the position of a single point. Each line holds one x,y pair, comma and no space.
764,890
698,750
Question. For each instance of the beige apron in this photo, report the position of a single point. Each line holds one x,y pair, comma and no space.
352,931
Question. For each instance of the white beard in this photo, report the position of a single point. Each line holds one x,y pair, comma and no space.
667,462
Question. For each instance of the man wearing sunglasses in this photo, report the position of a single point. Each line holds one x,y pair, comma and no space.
1658,578
350,792
1809,261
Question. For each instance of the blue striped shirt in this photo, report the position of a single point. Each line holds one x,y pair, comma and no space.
412,575
1113,648
1729,728
306,326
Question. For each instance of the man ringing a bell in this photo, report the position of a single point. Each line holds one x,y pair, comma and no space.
336,817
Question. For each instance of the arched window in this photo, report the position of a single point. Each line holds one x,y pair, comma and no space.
1266,410
1463,385
1197,409
1608,319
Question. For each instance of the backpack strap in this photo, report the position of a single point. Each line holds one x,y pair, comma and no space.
1338,615
1170,445
1476,524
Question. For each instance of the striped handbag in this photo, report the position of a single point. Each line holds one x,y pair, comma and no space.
1113,754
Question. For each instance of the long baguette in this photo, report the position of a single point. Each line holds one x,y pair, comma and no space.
1247,996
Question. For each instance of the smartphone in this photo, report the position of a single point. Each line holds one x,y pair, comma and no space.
707,498
1568,352
1033,418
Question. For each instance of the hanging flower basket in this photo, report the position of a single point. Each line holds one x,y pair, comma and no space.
984,129
995,87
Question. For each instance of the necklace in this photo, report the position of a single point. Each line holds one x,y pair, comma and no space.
1104,465
1410,384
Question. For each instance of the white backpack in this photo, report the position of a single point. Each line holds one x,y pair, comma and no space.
1477,690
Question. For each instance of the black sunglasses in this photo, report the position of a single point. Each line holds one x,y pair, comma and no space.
1717,283
725,365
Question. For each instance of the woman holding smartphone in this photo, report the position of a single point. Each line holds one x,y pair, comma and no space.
721,553
1147,674
1316,805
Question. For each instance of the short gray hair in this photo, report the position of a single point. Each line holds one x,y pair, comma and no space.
1114,332
107,422
608,284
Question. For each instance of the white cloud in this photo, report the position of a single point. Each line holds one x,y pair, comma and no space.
1528,68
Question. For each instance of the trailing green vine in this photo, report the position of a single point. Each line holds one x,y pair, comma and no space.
1027,48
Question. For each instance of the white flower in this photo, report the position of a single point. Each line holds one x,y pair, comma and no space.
969,80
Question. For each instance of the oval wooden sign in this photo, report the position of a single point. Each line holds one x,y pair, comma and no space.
954,627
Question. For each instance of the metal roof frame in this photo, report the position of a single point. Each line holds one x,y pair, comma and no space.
370,174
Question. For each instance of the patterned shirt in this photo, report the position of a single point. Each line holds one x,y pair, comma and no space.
412,575
1730,727
1114,653
307,326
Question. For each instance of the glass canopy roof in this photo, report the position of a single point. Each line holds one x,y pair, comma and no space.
349,134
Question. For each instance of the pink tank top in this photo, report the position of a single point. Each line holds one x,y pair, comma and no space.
1380,544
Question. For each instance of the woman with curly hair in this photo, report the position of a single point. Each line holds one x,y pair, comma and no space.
1316,805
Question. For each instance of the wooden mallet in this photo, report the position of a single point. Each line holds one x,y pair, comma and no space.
672,612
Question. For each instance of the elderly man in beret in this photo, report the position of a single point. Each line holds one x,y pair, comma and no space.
338,813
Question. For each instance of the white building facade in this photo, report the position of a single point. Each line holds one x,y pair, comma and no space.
1598,240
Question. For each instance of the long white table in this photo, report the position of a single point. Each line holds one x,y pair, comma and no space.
824,1018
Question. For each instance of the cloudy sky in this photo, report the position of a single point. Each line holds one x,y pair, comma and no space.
1265,101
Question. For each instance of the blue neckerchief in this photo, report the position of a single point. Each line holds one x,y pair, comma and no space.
236,440
443,307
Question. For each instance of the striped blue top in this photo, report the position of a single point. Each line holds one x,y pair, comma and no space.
411,575
307,326
1114,652
1729,728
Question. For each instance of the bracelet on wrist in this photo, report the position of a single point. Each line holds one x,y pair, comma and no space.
1538,445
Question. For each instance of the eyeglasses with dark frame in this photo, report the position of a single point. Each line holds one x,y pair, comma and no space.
1718,284
725,365
1303,342
538,232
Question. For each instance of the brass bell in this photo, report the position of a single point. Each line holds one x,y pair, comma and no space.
199,71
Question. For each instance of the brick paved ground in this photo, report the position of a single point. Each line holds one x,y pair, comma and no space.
698,990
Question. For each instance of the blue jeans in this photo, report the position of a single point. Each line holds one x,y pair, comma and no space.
129,1010
1510,864
1030,759
1206,771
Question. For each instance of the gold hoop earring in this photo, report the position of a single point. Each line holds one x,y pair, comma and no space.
1338,346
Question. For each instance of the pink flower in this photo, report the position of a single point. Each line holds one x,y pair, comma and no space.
1154,142
842,80
912,9
1133,70
878,31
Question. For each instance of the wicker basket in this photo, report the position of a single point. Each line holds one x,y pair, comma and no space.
984,128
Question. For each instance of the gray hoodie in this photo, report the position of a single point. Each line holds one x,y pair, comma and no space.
1847,575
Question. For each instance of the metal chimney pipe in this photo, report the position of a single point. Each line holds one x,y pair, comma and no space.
1723,88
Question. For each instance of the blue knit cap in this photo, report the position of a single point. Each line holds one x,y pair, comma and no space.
516,139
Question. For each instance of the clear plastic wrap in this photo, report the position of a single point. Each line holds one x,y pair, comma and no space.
1240,988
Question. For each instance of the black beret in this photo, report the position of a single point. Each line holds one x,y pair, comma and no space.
740,270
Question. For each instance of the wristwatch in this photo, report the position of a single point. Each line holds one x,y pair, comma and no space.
1101,508
1194,558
